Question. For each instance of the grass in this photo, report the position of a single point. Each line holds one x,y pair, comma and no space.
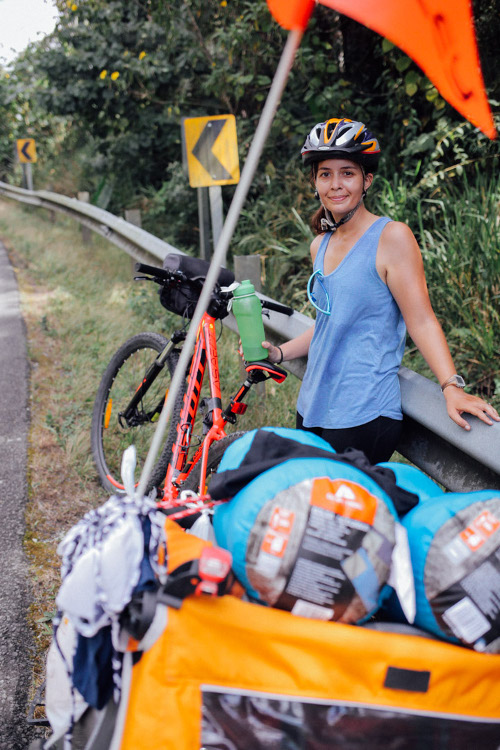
79,304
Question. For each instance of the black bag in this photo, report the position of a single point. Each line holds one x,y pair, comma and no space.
180,296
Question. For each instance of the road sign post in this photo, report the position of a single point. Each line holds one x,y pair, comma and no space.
204,222
216,213
210,149
27,177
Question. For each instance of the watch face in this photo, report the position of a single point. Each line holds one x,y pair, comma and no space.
454,380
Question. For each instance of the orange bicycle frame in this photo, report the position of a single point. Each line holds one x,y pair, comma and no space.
204,356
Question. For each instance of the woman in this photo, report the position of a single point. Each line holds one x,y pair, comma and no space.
368,286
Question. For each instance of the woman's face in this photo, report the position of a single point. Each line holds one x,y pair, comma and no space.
340,184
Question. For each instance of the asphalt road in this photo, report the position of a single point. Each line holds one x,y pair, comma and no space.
15,641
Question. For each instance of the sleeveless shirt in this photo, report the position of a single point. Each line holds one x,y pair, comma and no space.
356,351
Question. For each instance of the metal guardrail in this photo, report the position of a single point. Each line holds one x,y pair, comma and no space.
135,241
460,461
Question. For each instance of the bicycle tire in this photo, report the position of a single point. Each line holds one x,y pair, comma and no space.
109,436
215,453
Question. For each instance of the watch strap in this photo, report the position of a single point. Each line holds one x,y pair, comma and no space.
456,380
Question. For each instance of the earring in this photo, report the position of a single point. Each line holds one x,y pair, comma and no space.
316,195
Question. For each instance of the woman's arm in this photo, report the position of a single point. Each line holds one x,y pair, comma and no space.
297,347
399,263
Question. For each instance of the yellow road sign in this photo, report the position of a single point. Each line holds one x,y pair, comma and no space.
211,150
26,150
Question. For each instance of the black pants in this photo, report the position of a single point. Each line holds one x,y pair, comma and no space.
377,439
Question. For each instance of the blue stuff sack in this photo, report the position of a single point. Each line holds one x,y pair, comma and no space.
312,535
454,542
414,480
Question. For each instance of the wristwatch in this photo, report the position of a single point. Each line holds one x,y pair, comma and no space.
453,380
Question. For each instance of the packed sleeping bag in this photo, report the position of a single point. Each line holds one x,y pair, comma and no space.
454,541
310,531
412,479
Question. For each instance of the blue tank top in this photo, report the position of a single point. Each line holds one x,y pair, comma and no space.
356,351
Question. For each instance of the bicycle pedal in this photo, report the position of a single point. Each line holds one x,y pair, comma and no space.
238,407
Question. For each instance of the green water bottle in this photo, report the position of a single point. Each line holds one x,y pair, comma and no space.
248,313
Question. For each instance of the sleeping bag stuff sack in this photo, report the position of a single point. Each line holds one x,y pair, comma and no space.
313,534
454,542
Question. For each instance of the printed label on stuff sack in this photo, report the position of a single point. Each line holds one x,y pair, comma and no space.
472,538
341,513
470,609
275,542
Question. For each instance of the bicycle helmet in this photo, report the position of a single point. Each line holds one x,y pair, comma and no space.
340,137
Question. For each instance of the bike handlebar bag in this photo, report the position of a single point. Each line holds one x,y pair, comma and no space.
180,296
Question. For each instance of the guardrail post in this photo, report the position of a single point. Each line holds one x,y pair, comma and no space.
133,216
84,196
249,267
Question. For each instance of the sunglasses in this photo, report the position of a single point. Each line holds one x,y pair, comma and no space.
319,276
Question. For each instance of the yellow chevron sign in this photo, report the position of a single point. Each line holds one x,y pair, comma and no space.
211,150
26,150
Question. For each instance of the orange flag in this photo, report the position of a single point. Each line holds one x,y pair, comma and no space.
437,34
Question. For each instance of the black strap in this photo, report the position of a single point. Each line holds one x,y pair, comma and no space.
269,449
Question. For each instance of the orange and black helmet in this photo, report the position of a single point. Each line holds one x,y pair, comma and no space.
341,138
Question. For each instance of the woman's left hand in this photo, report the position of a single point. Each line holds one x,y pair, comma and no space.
457,402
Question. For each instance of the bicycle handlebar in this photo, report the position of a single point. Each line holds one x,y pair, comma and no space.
155,271
277,307
162,274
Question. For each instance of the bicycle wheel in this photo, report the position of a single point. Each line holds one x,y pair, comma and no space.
215,453
111,432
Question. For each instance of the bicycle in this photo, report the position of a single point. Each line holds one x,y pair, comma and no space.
134,386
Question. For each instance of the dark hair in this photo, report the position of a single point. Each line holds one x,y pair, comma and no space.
316,220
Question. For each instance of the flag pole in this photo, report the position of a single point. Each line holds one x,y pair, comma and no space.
268,113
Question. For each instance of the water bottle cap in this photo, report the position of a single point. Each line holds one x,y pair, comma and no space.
245,288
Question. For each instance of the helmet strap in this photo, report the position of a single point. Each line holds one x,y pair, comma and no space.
328,223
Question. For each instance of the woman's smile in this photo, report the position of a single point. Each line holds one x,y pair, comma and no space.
340,184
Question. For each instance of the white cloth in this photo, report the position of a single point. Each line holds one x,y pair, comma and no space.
101,561
63,702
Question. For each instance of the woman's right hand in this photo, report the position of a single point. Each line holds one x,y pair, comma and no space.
274,355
